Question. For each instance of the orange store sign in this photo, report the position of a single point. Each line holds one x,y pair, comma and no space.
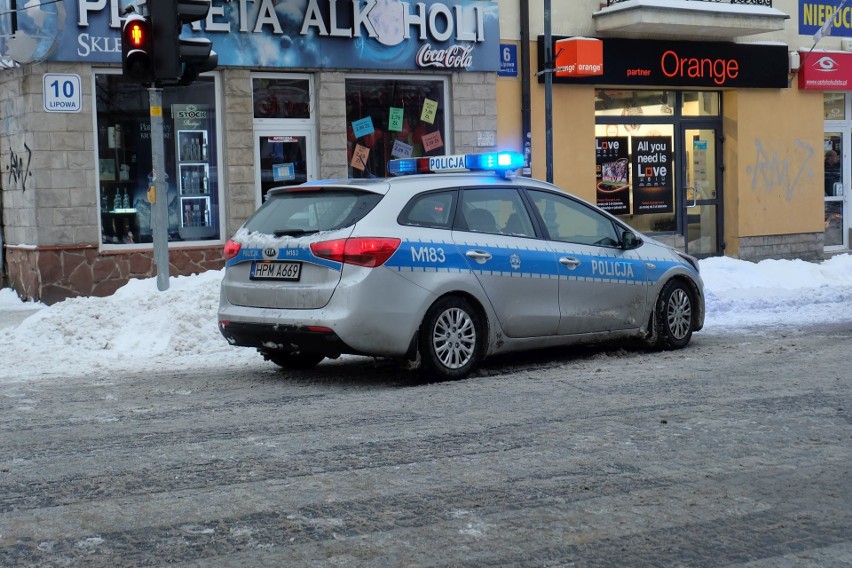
579,57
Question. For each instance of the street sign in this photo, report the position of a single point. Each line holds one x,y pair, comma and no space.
62,93
508,60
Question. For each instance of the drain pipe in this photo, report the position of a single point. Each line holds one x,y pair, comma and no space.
526,105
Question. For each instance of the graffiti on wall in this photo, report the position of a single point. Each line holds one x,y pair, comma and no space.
18,170
772,173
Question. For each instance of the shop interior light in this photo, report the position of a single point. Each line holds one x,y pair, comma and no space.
501,162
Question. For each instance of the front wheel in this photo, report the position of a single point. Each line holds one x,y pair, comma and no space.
673,315
451,339
298,360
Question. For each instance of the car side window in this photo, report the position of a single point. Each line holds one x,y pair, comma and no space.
429,210
573,222
498,210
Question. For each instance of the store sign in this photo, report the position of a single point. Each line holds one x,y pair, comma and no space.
814,14
824,71
459,35
579,57
685,64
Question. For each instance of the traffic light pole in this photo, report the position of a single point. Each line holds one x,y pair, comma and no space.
160,207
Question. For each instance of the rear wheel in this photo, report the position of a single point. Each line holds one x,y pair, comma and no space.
674,313
451,339
299,360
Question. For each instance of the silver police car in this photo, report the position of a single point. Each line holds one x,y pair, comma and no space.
444,269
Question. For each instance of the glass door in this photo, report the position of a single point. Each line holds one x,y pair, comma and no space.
836,233
283,156
701,190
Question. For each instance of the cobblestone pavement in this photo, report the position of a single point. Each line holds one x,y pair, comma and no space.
734,452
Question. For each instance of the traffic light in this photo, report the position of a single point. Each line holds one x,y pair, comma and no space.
137,60
179,60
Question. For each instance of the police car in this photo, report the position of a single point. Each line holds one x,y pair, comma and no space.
446,269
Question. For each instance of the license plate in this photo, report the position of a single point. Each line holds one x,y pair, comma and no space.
275,270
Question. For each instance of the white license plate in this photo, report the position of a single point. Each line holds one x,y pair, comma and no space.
275,270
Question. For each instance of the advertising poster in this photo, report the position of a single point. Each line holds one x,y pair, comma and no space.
613,176
652,180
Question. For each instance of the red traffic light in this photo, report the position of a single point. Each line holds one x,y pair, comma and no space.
137,35
137,59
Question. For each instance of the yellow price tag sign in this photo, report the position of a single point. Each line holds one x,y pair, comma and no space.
152,194
156,111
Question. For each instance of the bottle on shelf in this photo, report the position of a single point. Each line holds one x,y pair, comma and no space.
204,151
104,199
125,200
116,202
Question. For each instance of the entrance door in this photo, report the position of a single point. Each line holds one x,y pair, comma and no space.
284,156
701,190
836,233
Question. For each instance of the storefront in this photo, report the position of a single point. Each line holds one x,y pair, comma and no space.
326,90
659,131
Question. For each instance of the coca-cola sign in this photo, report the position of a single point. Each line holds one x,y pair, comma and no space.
454,57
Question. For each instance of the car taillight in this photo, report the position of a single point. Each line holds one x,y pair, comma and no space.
231,249
363,251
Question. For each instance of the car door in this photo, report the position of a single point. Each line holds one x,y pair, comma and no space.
602,287
495,233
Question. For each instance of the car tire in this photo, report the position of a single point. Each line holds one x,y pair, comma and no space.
298,360
674,315
451,339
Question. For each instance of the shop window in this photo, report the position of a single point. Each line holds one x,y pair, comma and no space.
834,106
618,102
635,169
393,118
700,103
281,98
125,162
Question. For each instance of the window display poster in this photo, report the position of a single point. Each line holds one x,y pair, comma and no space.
613,182
652,180
395,117
359,157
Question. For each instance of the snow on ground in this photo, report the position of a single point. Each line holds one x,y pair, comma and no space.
141,328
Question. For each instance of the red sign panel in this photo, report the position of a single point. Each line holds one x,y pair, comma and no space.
579,57
825,71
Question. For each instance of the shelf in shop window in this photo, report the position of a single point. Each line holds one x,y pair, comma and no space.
129,211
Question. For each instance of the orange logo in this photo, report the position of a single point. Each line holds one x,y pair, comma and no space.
579,57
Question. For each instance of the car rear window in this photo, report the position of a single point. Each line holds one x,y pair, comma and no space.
304,212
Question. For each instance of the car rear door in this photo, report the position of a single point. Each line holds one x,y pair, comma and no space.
517,270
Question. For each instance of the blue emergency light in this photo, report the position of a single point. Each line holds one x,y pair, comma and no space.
503,162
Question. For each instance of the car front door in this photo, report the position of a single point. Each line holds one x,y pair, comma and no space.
602,287
516,269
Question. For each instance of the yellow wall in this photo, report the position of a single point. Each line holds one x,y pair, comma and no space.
774,163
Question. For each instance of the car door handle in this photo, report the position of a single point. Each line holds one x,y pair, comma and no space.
570,262
479,256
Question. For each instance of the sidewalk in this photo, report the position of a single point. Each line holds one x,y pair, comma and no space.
13,311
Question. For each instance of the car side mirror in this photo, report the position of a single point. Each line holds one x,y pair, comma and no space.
629,240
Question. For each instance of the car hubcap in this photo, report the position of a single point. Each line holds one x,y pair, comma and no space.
454,338
679,314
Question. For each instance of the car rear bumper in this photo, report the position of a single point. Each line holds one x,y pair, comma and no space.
278,337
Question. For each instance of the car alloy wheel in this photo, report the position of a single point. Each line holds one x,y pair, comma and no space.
451,339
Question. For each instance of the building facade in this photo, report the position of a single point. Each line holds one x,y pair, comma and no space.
703,123
304,90
698,126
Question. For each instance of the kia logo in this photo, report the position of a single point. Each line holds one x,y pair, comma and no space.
270,252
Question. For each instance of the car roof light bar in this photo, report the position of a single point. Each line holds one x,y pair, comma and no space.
500,162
